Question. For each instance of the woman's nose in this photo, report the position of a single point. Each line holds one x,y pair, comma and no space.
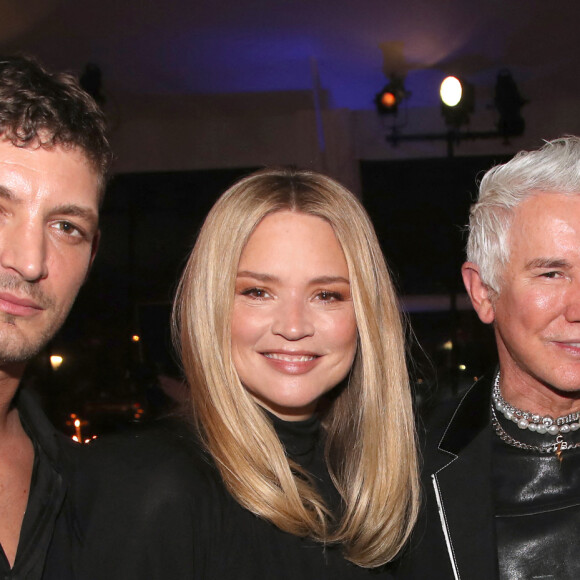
293,320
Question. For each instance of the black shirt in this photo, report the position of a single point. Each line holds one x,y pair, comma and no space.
45,547
537,505
156,508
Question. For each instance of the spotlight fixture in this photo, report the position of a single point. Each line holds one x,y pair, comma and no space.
457,104
389,99
457,101
508,102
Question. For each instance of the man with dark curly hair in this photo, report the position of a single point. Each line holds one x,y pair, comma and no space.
54,158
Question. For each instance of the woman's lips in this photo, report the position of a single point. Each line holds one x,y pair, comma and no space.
292,363
290,357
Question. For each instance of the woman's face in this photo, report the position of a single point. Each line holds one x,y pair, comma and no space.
294,333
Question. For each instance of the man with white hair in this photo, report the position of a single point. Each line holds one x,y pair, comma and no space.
502,466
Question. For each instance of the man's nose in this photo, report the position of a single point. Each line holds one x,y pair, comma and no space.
23,250
293,320
572,309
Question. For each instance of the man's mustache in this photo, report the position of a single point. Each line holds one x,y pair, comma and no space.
22,288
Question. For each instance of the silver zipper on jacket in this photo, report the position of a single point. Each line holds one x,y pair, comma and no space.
443,519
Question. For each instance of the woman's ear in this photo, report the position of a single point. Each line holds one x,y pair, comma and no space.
479,293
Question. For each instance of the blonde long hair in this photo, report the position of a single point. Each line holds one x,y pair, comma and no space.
370,443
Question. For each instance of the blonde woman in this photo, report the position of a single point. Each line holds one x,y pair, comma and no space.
302,463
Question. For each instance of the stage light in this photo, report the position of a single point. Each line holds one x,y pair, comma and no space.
389,99
508,102
457,101
450,91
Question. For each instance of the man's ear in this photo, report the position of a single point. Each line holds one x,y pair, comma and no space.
479,293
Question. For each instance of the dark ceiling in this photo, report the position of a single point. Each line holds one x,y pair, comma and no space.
227,46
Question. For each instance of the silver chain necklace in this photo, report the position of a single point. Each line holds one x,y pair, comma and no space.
533,422
556,447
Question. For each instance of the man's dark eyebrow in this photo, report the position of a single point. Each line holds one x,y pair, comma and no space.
7,194
73,210
67,209
547,263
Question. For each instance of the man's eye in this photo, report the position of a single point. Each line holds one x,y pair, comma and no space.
551,274
68,229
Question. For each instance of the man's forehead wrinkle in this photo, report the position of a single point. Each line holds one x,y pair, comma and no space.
25,182
23,193
19,180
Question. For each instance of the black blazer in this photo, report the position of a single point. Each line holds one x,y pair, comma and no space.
454,538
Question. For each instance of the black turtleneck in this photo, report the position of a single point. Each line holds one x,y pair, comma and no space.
299,438
156,508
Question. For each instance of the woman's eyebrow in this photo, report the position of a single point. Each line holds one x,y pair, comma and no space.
270,278
330,280
257,276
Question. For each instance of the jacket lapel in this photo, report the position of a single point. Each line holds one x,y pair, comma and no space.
462,486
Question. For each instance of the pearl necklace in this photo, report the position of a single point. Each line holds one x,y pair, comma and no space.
533,421
556,446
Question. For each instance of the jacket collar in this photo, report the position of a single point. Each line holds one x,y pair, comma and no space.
40,429
471,417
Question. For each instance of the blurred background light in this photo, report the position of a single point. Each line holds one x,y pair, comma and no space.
55,361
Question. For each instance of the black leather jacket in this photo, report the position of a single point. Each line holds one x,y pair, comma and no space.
455,536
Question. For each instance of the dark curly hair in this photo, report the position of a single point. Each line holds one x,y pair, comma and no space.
42,109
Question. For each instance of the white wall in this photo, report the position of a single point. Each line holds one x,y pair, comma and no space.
168,133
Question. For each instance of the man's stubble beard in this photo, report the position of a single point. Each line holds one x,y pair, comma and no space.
16,344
